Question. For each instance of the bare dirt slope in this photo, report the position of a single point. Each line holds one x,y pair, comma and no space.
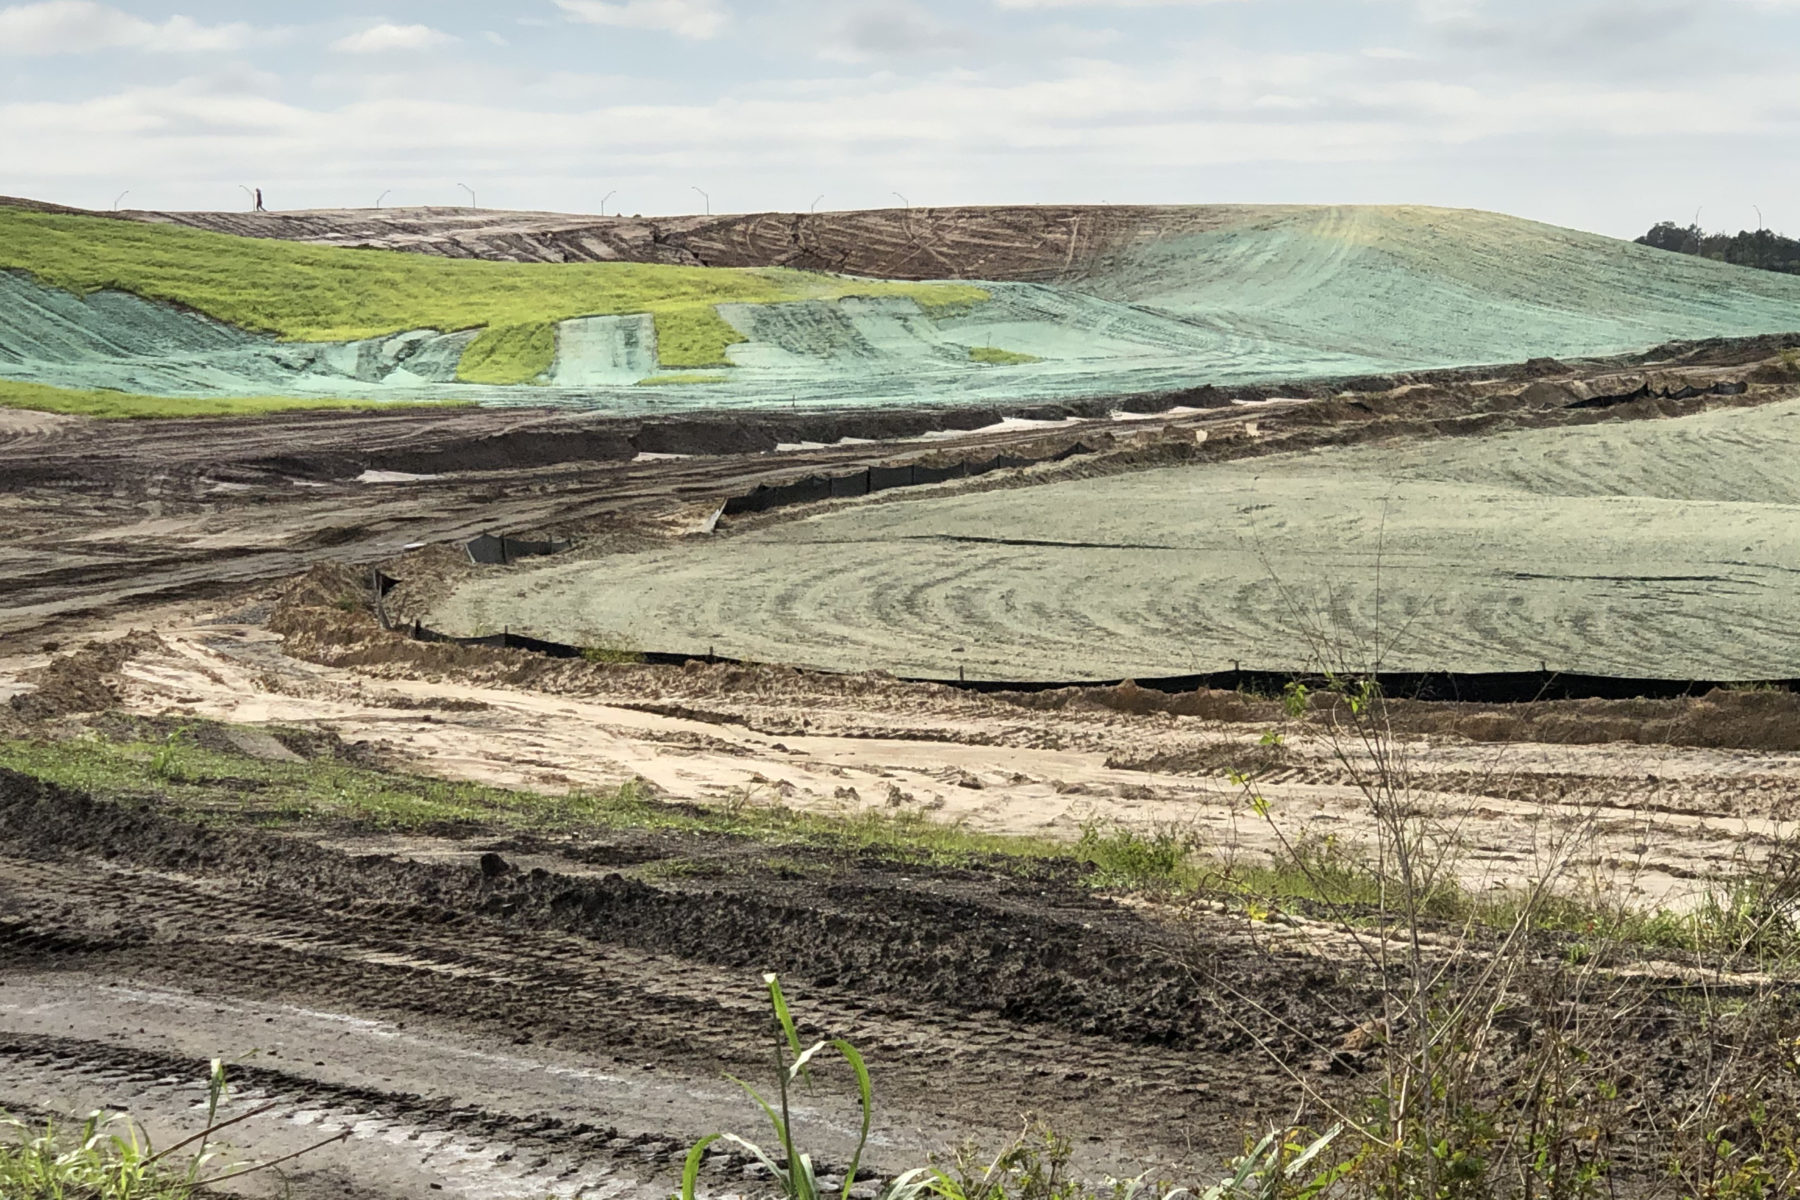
1027,243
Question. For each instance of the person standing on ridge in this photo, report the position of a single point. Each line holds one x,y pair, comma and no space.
259,204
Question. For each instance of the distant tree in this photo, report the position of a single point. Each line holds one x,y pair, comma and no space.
1667,235
1764,249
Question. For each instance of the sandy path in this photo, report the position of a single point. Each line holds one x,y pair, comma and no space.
1654,822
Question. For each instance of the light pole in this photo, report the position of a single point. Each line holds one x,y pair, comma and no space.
605,198
815,203
706,198
250,194
904,200
382,197
121,196
465,187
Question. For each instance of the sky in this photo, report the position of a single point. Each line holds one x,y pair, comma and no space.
1604,115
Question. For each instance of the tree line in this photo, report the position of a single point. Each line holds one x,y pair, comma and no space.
1764,249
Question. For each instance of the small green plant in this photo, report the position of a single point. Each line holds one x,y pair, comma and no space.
612,651
1125,857
110,1158
1275,1169
794,1169
169,763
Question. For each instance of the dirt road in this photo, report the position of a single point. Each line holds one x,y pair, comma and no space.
541,1022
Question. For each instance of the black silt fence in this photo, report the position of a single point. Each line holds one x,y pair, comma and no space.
1491,687
491,550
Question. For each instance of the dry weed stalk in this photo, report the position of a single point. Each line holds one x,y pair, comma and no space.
1497,1051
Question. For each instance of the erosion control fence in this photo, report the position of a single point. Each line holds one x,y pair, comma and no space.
491,550
812,488
1493,687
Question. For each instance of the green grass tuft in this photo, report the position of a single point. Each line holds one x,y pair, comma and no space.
307,293
669,380
107,405
993,356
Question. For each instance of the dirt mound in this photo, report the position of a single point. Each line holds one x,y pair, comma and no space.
1018,242
1750,719
327,585
81,681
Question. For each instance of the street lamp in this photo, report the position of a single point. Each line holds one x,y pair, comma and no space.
605,198
904,200
382,197
465,187
121,196
706,198
815,203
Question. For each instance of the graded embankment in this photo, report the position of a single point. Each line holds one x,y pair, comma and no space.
1158,300
1660,549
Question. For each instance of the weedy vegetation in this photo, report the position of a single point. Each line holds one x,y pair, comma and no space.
1498,1061
108,1157
1033,1166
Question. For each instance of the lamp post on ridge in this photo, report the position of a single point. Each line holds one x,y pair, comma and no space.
465,187
815,203
605,198
249,193
904,201
706,198
382,197
121,196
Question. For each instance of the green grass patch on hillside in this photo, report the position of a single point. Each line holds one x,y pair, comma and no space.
504,354
115,406
228,786
307,293
993,356
686,377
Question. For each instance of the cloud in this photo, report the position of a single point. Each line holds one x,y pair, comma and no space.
1040,4
380,39
685,18
81,26
893,28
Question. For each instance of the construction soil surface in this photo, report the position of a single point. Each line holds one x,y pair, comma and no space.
494,1012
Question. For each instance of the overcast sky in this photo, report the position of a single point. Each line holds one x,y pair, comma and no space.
1602,114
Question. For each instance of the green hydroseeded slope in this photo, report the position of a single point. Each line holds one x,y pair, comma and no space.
1646,549
327,294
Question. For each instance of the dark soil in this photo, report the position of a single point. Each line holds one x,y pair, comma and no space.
976,993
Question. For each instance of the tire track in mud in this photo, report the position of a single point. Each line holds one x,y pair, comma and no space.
954,988
464,1143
